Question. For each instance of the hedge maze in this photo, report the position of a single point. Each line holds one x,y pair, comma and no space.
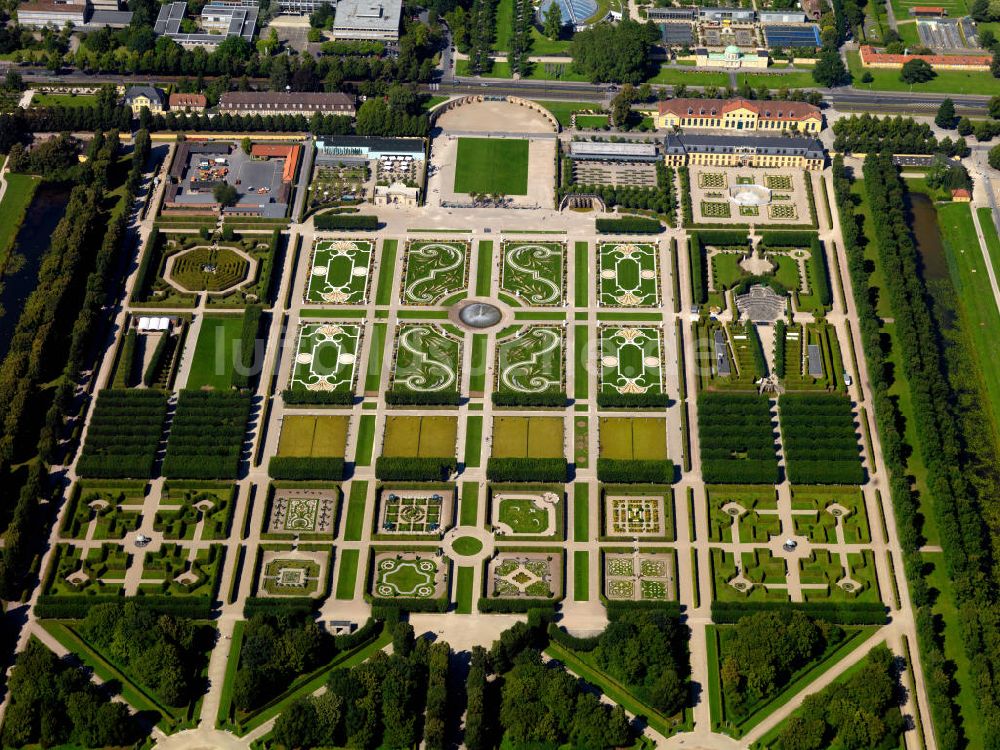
737,439
124,434
820,439
340,272
534,272
432,270
207,436
210,269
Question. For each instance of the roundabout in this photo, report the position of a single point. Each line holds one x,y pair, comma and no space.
467,544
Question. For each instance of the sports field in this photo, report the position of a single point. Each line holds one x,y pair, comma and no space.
492,165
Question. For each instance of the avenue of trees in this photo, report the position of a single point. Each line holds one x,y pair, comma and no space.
960,471
900,135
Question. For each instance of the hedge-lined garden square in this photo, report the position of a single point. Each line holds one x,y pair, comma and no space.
534,272
631,359
531,361
340,272
628,274
433,270
326,357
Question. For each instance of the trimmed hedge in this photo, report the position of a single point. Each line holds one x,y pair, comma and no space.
207,435
305,467
274,606
623,471
124,434
572,642
319,398
404,604
723,237
801,238
699,269
413,469
820,273
398,397
629,225
619,607
244,373
779,348
330,222
548,398
855,613
615,400
527,470
545,609
76,607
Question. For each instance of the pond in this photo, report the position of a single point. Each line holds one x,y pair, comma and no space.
927,236
32,242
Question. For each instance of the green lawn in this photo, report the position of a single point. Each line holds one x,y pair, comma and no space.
226,701
212,365
63,100
354,524
528,437
582,277
463,590
484,271
348,574
563,111
470,503
538,71
467,545
793,80
477,378
581,576
946,81
581,335
373,378
581,512
633,439
674,77
366,440
972,284
386,271
16,199
492,165
473,441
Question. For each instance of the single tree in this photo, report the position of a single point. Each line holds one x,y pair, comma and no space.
247,145
965,126
867,77
994,157
945,117
553,22
916,71
830,70
995,64
994,107
225,194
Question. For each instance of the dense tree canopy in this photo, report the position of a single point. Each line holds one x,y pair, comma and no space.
616,53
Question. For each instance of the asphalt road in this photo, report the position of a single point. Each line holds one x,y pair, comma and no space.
891,102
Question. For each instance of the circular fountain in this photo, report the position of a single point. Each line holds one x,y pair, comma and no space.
480,315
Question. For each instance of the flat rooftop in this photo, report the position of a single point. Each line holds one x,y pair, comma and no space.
368,15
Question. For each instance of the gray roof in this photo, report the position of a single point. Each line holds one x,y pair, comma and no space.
815,361
363,15
374,143
115,18
143,90
722,355
761,144
617,149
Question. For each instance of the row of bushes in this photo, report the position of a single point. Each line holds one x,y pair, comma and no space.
518,398
543,610
649,400
699,269
54,607
329,222
628,225
413,468
319,398
404,604
737,439
820,440
527,470
306,468
242,372
124,434
207,435
801,238
853,613
402,397
623,471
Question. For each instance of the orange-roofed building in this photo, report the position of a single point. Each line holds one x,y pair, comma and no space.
288,151
187,102
739,114
961,195
872,58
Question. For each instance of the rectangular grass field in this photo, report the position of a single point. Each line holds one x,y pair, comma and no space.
492,165
316,437
423,437
212,366
528,437
628,438
17,198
